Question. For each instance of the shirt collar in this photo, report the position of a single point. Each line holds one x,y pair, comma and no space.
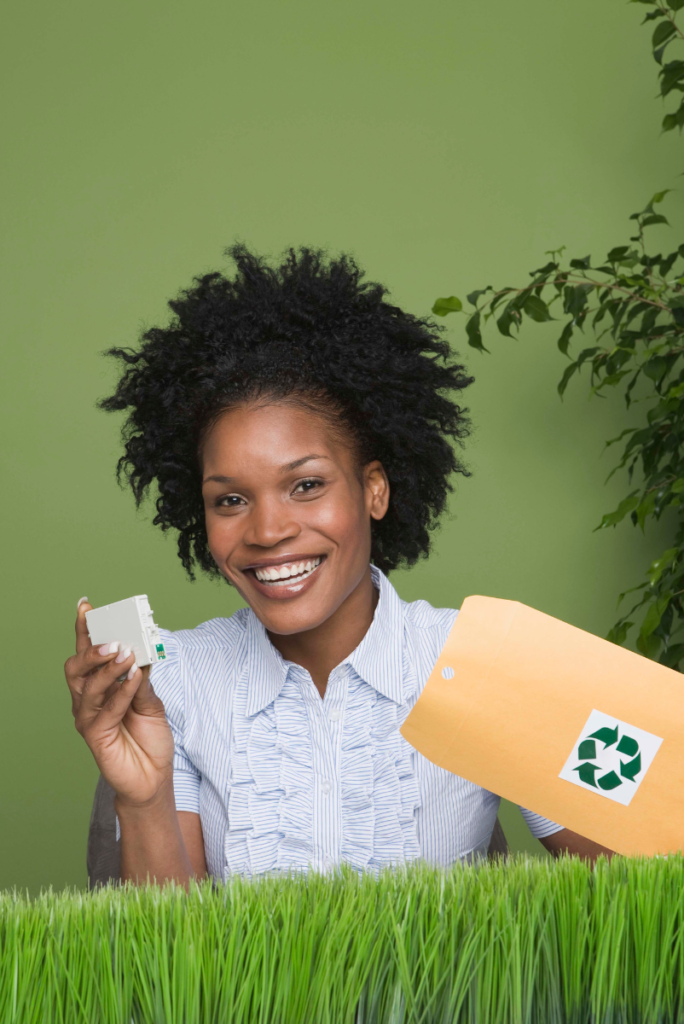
378,659
266,666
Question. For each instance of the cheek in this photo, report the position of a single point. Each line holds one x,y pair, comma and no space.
343,520
221,534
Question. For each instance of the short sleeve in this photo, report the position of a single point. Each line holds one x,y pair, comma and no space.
538,826
167,681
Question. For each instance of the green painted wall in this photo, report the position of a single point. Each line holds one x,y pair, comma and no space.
448,145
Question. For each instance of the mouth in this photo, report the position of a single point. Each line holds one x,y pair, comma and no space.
285,579
277,575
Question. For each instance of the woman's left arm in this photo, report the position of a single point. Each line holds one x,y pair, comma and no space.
567,841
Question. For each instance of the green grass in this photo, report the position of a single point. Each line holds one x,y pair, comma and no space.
524,941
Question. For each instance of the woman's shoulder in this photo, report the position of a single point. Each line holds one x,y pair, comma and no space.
203,657
219,633
426,629
424,616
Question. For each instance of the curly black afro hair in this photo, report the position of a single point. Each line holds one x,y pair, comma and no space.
309,330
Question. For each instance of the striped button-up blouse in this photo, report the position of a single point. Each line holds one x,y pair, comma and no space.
283,779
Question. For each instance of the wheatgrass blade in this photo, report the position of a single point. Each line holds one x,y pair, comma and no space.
515,941
609,998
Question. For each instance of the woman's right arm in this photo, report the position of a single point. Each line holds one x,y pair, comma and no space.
124,724
156,838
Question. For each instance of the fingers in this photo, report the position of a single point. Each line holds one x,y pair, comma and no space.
88,659
123,695
79,667
95,690
82,637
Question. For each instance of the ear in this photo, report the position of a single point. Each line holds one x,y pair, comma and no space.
377,489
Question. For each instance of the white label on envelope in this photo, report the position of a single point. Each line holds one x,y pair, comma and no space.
611,757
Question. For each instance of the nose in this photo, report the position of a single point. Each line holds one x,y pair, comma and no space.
270,523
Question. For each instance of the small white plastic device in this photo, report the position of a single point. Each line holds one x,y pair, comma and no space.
131,623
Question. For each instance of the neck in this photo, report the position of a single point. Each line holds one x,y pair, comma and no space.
320,649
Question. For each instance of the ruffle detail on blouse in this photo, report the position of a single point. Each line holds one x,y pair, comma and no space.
379,806
270,792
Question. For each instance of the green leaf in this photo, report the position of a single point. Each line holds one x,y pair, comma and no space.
654,615
671,74
673,655
631,591
473,332
581,264
659,565
645,509
509,318
664,31
587,353
502,293
565,379
448,305
654,218
655,367
648,645
612,380
675,5
659,196
545,270
564,340
613,518
617,254
678,486
474,296
575,298
614,440
537,309
618,634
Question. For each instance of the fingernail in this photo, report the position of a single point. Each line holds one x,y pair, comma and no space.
80,602
109,648
122,655
132,670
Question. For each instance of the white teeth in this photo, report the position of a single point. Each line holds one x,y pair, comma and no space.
283,572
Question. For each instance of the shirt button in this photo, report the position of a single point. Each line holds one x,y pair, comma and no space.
335,716
326,787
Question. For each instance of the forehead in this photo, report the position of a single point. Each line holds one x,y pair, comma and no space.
270,434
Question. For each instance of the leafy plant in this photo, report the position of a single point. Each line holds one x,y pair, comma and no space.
527,940
633,301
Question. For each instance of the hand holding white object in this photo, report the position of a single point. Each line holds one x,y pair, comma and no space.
120,717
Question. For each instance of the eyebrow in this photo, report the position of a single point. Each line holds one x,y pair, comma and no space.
287,468
300,462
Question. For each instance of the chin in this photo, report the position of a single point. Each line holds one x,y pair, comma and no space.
288,621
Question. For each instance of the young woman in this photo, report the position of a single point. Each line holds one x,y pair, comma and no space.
300,433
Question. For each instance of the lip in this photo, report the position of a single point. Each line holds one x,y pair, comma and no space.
285,589
283,560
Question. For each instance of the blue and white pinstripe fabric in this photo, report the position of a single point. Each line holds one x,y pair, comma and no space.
284,780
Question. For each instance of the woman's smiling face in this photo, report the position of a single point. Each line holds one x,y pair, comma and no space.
288,510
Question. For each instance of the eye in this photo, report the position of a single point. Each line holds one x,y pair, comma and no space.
306,486
229,501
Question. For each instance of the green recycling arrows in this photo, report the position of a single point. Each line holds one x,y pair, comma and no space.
586,752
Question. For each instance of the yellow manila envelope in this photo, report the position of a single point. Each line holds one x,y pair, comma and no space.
555,719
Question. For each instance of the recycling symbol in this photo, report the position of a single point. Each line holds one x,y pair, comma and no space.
625,759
